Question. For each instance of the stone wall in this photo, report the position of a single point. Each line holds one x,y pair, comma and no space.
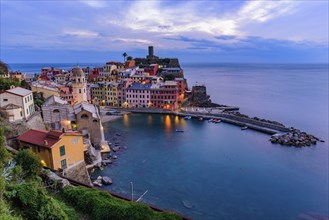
78,172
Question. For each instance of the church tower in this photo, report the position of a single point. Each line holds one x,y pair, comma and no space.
79,85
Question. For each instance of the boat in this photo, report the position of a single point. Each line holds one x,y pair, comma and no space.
187,117
244,127
200,119
179,130
215,120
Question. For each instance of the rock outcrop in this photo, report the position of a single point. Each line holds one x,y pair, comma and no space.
295,138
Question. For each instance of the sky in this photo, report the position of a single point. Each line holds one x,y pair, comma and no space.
294,31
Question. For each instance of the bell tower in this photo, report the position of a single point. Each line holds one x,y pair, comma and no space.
79,85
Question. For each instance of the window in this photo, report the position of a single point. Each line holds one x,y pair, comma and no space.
84,116
63,164
5,100
21,114
56,111
62,150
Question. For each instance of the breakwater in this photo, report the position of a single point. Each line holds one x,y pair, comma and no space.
280,133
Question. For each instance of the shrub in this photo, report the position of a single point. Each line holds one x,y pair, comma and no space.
29,163
32,202
101,205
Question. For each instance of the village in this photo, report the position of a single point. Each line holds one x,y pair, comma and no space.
59,114
62,111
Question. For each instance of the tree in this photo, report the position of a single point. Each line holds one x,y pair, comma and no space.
129,58
29,163
3,68
124,56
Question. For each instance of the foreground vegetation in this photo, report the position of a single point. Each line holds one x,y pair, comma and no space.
24,195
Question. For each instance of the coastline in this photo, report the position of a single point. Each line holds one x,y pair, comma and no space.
107,118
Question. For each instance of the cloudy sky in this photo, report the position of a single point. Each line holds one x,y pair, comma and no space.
294,31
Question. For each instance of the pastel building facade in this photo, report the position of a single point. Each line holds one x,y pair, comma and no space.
20,97
55,149
164,95
138,95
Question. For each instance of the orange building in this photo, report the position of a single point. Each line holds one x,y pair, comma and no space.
55,149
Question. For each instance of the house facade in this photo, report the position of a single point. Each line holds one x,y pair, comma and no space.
88,122
57,113
20,97
138,95
56,150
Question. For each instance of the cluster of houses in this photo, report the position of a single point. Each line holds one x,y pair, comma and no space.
71,113
116,84
71,129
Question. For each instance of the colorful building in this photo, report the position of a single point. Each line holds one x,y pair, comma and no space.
55,149
104,93
164,95
138,95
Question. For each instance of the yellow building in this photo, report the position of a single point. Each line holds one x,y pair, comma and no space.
46,88
55,149
104,93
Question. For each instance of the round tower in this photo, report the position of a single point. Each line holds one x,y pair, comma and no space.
79,85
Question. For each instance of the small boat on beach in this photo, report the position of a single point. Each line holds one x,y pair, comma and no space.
244,127
187,117
179,130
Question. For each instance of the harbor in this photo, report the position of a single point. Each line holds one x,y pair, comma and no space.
290,136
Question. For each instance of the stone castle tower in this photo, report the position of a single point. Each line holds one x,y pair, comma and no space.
79,85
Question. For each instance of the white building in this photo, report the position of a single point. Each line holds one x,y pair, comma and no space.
14,112
20,97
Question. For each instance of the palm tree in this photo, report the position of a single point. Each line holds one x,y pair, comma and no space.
124,56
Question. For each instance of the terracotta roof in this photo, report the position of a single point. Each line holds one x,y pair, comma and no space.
38,137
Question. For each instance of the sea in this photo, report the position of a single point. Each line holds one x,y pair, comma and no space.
218,171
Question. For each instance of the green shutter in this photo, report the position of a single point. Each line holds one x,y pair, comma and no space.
62,150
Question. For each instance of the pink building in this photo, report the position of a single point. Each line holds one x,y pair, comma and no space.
138,95
164,95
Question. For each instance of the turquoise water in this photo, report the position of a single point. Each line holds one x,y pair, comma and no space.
217,171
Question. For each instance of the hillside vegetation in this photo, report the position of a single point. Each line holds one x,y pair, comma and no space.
24,195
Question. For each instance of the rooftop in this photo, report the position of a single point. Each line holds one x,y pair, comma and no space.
19,91
54,100
88,107
43,138
139,86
